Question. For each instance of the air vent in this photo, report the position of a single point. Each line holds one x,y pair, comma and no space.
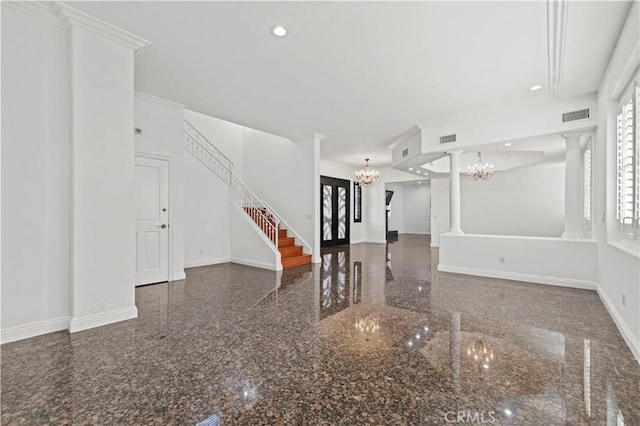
448,138
405,152
581,114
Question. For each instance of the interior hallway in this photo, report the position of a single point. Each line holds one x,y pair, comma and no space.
373,335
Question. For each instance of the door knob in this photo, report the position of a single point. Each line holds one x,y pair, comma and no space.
163,226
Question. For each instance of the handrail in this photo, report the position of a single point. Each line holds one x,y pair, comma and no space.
194,134
200,147
290,229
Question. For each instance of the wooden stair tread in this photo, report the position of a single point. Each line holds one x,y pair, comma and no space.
290,251
286,242
291,262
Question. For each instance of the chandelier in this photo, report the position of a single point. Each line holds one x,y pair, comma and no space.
367,175
480,353
480,171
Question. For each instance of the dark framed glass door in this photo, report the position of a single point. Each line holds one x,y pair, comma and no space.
334,211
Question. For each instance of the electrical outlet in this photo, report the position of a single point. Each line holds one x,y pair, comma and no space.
501,260
201,251
624,299
99,307
309,216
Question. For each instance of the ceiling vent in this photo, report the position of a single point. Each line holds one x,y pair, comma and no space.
447,139
581,114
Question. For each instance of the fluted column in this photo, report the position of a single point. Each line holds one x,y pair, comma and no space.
454,192
573,187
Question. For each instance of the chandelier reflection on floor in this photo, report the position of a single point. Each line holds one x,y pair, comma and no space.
480,353
368,325
480,170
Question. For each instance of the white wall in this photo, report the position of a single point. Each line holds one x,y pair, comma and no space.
339,171
396,207
226,136
282,173
102,243
249,245
555,261
374,206
416,215
206,215
618,261
162,137
35,174
527,201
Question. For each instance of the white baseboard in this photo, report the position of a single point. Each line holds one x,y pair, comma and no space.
375,241
263,265
627,335
11,334
434,245
538,279
104,318
206,262
180,275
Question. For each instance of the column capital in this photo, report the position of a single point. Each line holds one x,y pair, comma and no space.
572,137
455,152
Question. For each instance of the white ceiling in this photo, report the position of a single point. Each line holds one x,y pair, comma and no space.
362,73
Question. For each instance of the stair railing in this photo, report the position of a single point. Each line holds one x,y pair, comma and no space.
261,214
200,147
204,151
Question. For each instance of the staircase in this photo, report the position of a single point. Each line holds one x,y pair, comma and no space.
276,230
290,254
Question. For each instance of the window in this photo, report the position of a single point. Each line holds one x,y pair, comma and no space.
628,162
357,202
587,184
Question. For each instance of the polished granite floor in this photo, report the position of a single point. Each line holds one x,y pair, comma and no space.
372,335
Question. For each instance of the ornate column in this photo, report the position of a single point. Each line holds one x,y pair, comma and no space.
572,187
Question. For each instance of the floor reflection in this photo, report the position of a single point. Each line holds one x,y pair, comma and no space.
371,335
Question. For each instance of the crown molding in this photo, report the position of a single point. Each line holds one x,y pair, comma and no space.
154,100
42,11
319,136
415,129
73,17
557,13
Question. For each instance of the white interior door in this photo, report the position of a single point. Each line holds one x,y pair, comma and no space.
152,225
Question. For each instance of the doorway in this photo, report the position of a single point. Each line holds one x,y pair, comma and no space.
151,220
334,211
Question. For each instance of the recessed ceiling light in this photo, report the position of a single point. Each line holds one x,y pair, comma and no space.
507,144
535,87
279,31
418,171
410,168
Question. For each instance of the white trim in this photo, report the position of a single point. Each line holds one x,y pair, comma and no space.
375,241
91,321
206,262
434,245
514,276
179,275
20,332
41,11
263,265
73,17
627,335
154,100
626,248
415,129
557,13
